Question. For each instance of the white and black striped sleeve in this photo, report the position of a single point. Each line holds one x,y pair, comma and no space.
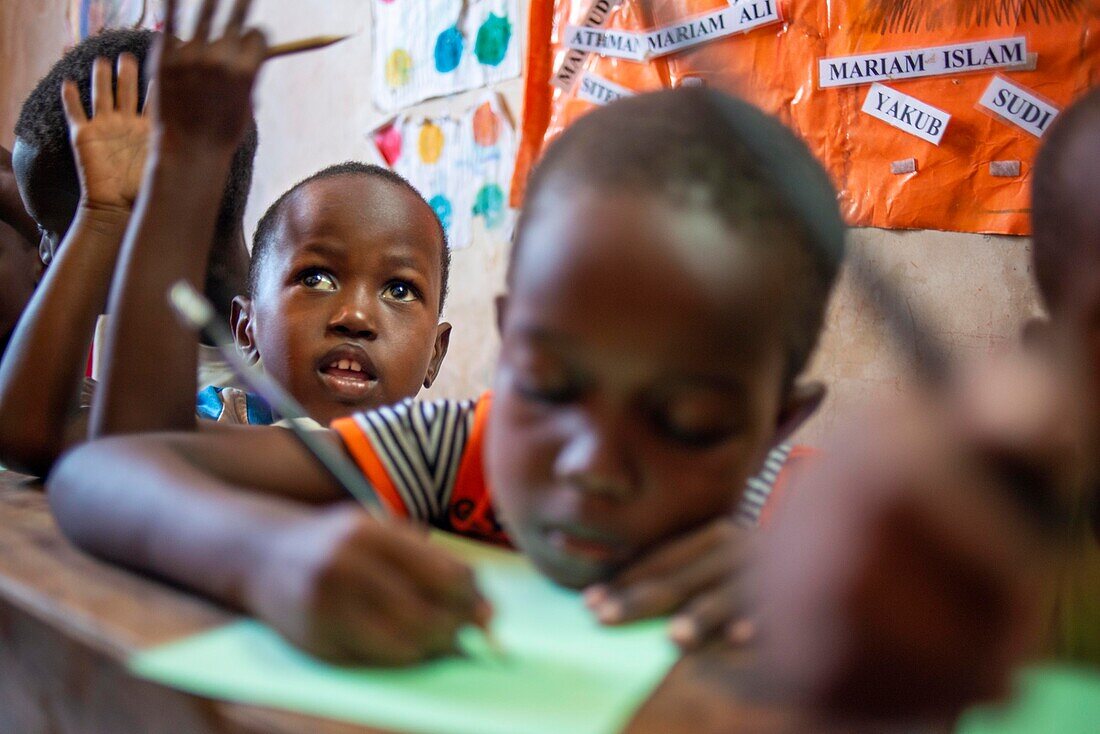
421,445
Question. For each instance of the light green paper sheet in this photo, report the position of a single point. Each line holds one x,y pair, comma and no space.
1048,700
562,673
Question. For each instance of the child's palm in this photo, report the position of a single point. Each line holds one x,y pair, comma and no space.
110,156
110,147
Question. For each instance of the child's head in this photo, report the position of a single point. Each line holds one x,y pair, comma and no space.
669,279
1064,213
348,278
18,274
43,159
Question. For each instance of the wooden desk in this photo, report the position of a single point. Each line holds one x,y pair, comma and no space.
68,622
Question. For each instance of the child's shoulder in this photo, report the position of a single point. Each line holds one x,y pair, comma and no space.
784,464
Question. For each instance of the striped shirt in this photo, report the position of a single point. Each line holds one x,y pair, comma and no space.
424,458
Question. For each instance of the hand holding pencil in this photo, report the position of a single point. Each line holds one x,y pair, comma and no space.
349,588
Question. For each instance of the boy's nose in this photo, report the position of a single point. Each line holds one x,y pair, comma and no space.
355,316
596,458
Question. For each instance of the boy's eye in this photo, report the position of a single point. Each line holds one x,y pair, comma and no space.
696,423
400,292
318,280
545,381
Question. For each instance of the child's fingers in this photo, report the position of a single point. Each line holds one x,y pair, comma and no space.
205,21
237,17
126,95
707,616
439,575
396,598
654,597
70,101
254,46
103,98
170,18
369,638
150,108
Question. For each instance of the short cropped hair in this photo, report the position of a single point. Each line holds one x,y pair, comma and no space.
693,143
1060,221
42,122
269,223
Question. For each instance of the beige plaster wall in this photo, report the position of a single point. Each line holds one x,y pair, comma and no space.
32,36
314,110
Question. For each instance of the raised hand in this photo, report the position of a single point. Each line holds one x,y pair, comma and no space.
203,88
110,147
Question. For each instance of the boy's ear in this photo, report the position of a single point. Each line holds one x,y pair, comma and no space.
500,304
442,341
1036,333
241,318
802,402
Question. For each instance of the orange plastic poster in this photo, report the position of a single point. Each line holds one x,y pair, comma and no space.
927,113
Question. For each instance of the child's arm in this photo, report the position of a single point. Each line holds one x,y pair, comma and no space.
905,558
216,512
42,370
202,93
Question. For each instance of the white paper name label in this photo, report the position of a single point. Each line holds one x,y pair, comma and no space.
742,17
597,16
739,18
620,44
906,113
597,90
1018,105
842,71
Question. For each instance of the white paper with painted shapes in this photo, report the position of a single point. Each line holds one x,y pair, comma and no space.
461,163
845,71
1019,106
906,113
432,48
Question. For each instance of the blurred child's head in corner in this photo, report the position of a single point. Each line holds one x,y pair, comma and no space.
43,159
347,285
1065,210
669,279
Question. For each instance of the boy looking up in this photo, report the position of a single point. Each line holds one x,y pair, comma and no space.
347,284
661,308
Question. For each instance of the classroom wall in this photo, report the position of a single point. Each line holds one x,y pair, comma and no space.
315,110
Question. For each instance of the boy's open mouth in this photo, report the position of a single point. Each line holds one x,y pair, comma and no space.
347,373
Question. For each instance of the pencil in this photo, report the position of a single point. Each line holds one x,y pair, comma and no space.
303,44
196,312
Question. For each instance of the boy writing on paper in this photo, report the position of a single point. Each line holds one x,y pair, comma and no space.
668,283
